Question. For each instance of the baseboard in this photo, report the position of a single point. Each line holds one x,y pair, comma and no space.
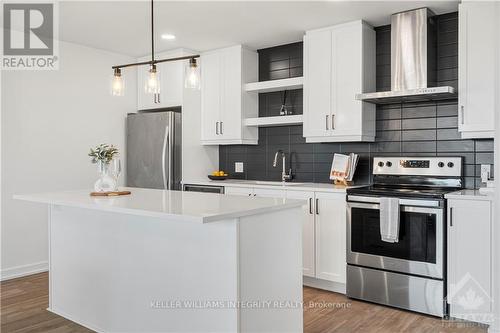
324,284
75,320
19,271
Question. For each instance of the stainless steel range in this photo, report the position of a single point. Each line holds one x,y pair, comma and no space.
396,233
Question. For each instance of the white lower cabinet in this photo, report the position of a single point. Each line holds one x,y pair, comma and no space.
308,248
323,233
469,259
270,193
254,192
330,213
246,191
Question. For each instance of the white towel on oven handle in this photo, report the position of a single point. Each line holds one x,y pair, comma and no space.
389,220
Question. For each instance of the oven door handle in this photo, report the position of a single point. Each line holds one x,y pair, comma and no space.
363,205
402,202
403,208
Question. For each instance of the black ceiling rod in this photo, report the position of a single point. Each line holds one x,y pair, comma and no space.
153,62
152,35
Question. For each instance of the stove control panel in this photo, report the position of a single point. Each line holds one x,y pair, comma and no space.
424,166
414,163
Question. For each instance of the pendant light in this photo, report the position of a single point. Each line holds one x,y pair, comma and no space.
152,79
192,75
117,84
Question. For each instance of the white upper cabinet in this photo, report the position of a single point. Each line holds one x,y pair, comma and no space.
171,82
211,96
224,102
476,62
339,62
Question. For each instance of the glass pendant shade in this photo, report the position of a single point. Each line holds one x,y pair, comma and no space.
152,84
117,84
192,75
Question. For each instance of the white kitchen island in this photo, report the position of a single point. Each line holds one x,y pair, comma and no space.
170,261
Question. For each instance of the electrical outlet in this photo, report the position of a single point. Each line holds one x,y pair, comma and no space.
238,167
485,172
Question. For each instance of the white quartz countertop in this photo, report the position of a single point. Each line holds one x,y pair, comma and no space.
189,206
317,187
470,195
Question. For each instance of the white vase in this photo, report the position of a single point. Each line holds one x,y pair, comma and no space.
106,181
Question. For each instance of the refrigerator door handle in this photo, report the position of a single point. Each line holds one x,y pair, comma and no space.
170,144
166,144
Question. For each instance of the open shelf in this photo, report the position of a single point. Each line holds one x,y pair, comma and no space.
274,121
275,85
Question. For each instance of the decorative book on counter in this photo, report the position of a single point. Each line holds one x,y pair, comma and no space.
343,168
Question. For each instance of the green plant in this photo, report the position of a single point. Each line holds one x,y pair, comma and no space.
103,153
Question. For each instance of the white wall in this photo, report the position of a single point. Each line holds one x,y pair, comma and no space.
50,119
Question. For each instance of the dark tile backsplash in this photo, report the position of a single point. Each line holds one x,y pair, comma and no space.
417,129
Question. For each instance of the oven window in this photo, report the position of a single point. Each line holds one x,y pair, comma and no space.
417,235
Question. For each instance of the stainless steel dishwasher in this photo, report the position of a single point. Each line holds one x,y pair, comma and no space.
203,188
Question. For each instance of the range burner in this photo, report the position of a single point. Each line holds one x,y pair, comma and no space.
401,192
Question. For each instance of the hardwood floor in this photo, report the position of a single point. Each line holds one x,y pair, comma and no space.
24,302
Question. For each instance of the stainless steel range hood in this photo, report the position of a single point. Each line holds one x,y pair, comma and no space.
413,61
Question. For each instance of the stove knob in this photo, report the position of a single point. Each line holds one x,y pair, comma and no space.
440,164
450,164
380,164
388,163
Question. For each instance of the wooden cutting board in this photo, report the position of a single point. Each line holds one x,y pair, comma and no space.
109,194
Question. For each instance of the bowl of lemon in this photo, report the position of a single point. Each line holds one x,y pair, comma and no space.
218,175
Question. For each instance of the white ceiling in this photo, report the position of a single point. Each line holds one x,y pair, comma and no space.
124,26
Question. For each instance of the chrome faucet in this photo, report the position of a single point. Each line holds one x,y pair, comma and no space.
284,175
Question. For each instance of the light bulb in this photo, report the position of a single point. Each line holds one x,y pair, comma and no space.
152,84
117,84
192,76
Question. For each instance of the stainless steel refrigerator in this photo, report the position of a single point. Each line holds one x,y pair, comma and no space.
154,150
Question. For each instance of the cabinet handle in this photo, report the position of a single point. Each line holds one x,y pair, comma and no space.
255,194
249,194
221,131
154,96
451,216
317,206
310,206
158,98
462,114
326,122
216,128
333,121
